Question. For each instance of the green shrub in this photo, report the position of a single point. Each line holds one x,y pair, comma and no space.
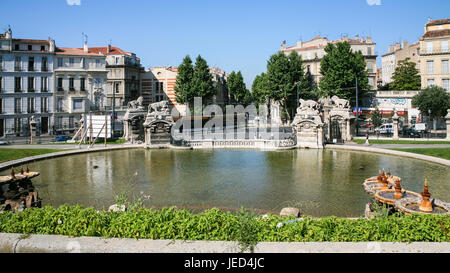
214,224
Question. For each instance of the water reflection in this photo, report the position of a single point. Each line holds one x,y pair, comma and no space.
320,182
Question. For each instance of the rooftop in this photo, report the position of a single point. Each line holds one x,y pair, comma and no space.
437,33
438,22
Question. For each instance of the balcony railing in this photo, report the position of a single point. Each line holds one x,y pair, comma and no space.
434,51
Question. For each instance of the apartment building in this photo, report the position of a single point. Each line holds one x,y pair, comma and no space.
123,80
435,54
396,53
312,52
80,85
26,84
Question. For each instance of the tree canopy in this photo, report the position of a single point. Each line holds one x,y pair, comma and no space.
406,76
183,84
433,98
339,67
194,81
238,92
284,75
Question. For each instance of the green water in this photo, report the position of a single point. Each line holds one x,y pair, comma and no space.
319,182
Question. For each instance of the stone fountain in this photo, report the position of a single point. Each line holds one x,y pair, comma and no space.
390,196
17,191
422,204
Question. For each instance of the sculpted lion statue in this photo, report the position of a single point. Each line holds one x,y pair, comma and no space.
136,104
159,106
340,103
308,105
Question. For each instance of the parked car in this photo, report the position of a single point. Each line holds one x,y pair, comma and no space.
386,128
4,143
62,138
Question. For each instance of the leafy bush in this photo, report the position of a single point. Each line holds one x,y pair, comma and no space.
214,224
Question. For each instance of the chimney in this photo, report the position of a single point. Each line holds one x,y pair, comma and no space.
8,34
108,48
369,39
299,43
391,49
51,45
85,47
283,45
404,44
397,46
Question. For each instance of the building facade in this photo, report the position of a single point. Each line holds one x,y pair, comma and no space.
124,70
313,51
26,84
435,54
80,86
158,83
396,53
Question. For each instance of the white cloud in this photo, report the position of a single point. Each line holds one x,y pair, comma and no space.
373,2
73,2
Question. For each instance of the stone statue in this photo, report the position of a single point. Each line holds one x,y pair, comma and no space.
308,105
162,106
136,104
340,103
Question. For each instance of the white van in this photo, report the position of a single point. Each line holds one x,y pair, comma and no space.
386,128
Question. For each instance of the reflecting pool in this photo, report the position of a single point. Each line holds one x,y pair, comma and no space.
319,182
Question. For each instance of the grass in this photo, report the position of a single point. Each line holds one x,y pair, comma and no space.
437,152
7,154
389,141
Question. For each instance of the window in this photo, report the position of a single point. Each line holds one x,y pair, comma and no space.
59,104
60,84
446,84
116,87
42,47
71,122
44,64
444,46
1,84
17,63
17,105
17,125
1,106
44,84
17,84
30,84
97,63
60,62
16,47
30,63
30,105
1,62
71,61
30,47
78,104
44,105
369,51
430,47
117,60
82,84
370,67
71,87
430,67
444,66
430,82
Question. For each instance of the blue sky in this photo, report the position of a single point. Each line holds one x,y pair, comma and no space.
233,34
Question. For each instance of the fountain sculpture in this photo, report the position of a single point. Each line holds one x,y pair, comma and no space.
308,125
423,204
133,121
387,190
17,191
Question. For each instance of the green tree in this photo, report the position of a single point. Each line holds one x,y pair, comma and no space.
435,99
202,83
284,74
339,68
377,118
406,76
183,84
260,91
237,90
